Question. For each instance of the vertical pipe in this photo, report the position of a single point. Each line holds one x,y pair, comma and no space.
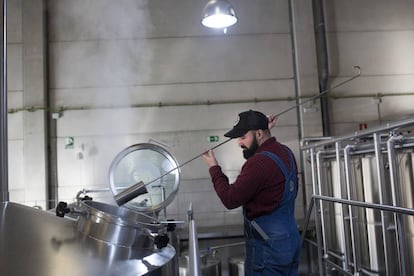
318,168
295,63
4,187
317,212
193,254
399,229
296,83
51,127
380,177
322,55
354,245
345,264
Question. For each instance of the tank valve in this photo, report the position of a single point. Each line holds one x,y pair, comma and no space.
161,241
62,209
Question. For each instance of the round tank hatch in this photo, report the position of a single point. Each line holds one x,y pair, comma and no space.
152,165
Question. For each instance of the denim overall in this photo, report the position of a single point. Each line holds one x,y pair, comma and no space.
272,240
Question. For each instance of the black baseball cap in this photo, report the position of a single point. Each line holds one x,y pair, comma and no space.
248,120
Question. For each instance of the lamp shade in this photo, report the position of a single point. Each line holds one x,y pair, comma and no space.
218,14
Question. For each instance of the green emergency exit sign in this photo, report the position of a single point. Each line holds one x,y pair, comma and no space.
213,138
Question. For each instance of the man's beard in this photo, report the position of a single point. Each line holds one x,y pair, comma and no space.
249,152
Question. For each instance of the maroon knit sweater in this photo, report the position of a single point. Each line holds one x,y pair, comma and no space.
260,185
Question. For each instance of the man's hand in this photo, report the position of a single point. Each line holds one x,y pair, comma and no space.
272,120
210,159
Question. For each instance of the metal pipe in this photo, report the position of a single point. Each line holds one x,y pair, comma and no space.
376,206
4,186
195,103
299,114
342,240
318,169
307,140
340,257
354,245
399,233
194,253
369,148
380,175
322,55
338,267
370,272
317,210
363,133
307,219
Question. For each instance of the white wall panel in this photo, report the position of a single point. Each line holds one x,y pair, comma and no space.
369,15
15,149
18,196
175,60
14,21
15,126
392,111
14,67
378,53
190,93
164,119
354,110
15,100
34,157
375,85
378,36
16,165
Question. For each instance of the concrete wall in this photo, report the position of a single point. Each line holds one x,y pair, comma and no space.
27,100
378,36
121,73
112,76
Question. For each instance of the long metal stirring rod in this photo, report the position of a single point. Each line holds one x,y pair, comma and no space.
357,74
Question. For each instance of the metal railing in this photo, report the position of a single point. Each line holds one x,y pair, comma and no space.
358,184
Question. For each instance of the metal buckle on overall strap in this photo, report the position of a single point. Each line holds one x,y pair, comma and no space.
259,230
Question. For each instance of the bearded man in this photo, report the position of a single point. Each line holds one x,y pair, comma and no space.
266,188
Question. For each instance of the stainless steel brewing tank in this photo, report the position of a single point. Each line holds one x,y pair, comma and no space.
97,238
35,242
116,225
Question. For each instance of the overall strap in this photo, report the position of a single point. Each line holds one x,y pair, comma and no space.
290,176
281,164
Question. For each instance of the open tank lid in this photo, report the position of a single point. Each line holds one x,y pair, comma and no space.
154,166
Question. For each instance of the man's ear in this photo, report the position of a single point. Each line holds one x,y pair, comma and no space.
259,134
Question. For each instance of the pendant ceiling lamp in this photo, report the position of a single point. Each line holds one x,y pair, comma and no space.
218,14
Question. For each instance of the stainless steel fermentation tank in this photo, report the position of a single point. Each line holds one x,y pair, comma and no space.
35,242
87,237
363,189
